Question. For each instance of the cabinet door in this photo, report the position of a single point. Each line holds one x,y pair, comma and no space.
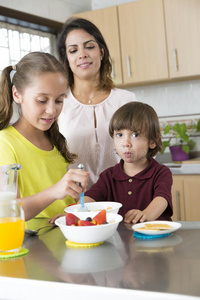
143,43
183,37
178,198
192,197
107,22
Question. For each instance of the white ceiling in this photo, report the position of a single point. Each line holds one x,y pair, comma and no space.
80,5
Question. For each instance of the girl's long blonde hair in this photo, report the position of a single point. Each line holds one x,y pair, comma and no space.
31,65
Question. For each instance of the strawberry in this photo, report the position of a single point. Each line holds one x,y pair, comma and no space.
71,219
100,218
85,223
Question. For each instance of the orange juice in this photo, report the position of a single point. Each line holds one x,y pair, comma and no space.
11,233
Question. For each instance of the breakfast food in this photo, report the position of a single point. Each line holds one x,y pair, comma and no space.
109,207
85,223
99,219
154,226
71,219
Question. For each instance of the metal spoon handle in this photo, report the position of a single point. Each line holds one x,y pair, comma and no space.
83,207
81,167
34,232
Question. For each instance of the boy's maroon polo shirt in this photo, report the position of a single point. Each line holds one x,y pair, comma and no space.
134,192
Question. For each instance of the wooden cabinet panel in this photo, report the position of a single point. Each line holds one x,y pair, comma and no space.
186,197
143,43
192,197
178,199
107,21
182,19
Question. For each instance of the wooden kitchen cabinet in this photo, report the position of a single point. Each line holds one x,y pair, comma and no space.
143,41
186,197
182,19
151,41
178,199
107,21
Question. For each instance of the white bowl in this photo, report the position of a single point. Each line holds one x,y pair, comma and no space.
89,234
111,207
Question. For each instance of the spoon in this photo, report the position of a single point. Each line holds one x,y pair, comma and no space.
35,232
83,206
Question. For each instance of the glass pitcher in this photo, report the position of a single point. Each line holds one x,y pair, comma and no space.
12,226
8,181
12,220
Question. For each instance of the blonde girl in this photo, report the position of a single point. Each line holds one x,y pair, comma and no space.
38,87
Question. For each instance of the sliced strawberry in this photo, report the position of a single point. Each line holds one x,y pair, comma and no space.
100,218
71,219
85,223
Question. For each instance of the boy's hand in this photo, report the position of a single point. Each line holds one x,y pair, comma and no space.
134,216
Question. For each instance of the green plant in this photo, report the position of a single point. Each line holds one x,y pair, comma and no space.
180,136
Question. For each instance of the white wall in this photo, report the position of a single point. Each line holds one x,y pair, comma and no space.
98,4
57,10
179,98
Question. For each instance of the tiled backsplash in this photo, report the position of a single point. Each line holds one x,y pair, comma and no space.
171,99
177,101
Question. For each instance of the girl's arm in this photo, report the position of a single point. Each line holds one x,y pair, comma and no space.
150,213
66,186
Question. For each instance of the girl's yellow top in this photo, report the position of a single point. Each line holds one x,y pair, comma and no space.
40,169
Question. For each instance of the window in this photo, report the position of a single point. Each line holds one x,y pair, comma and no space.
16,41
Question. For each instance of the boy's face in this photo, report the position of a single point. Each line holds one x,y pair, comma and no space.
131,146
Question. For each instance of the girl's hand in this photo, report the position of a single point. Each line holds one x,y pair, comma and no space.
52,220
134,216
68,184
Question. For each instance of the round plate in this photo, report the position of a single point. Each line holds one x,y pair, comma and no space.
174,226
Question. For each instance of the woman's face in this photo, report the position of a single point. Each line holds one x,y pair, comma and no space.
83,54
42,101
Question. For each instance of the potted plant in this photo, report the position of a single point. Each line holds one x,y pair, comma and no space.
179,141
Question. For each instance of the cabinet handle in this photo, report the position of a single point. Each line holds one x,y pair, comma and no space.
113,71
175,55
128,65
178,206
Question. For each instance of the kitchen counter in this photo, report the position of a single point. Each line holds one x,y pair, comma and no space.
169,265
184,168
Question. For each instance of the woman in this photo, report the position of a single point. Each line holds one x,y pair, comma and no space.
91,99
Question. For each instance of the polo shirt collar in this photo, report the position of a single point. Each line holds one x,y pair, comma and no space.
118,172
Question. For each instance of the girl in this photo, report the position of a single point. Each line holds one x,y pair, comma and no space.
139,182
39,87
92,96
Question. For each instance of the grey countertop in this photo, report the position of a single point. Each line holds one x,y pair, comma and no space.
184,169
167,265
189,167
